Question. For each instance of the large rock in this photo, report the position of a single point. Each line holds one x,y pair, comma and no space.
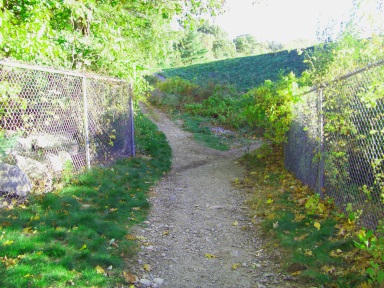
58,162
13,181
47,141
37,172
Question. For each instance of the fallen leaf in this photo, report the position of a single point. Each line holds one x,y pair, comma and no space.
328,269
300,238
317,225
235,266
8,242
27,229
146,267
130,278
235,223
166,232
130,237
275,225
83,247
308,252
208,255
113,210
99,270
136,208
6,224
269,201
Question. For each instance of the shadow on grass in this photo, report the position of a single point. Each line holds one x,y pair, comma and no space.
71,237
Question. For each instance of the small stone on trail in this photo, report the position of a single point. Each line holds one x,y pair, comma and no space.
145,282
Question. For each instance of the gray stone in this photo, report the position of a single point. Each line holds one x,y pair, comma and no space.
37,172
46,141
14,181
145,282
158,281
58,162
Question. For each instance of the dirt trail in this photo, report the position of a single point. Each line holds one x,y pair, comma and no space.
198,233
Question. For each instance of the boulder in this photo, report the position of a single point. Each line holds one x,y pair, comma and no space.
13,181
37,172
58,162
46,141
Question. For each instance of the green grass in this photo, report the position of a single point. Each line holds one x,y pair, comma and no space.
244,72
199,127
314,242
60,237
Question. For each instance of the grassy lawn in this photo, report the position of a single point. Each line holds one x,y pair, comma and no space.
79,236
243,72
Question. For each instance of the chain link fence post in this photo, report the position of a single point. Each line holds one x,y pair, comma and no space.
131,121
86,126
320,167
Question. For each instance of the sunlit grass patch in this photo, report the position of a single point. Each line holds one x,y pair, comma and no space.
59,239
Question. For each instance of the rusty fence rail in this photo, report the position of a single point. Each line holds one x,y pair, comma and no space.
55,122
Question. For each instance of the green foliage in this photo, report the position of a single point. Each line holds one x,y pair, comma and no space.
198,126
271,107
373,243
58,239
224,105
248,45
244,73
191,48
118,38
178,86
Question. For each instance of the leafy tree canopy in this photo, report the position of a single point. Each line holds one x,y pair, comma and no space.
115,37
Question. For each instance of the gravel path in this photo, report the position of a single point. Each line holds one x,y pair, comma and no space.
198,233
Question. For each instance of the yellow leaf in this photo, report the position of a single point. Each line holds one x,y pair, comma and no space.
33,218
328,269
300,238
317,225
235,266
99,270
208,255
146,267
235,223
308,252
8,242
83,247
130,278
136,208
269,201
27,229
113,210
166,232
130,237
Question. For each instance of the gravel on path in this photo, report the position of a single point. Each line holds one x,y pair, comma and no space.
198,233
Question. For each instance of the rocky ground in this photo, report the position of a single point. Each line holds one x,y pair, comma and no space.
199,233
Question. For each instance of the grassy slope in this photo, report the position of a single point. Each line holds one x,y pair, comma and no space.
243,72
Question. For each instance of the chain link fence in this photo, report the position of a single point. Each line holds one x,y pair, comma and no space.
54,123
336,143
